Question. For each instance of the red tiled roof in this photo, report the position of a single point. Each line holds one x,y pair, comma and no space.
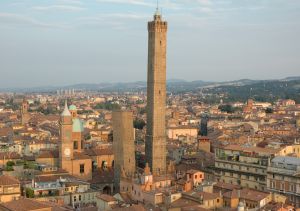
106,197
9,155
247,194
24,205
8,180
48,154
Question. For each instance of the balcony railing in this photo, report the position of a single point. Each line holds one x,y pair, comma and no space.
283,171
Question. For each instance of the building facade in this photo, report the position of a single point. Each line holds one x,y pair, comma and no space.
246,167
284,178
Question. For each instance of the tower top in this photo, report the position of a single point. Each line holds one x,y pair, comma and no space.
157,14
66,111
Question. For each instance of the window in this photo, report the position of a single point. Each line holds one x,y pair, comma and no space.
81,168
282,186
272,184
75,144
79,197
292,188
74,198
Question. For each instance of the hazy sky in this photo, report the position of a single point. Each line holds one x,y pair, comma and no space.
61,42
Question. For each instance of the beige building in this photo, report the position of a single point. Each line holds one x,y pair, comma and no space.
245,166
10,189
105,202
176,132
146,188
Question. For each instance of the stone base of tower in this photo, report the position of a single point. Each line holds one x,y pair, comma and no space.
156,155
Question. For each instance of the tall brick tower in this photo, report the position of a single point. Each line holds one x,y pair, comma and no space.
123,145
65,144
25,116
156,95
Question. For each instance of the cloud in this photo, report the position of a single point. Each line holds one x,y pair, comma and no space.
60,7
15,19
132,2
204,2
78,2
114,20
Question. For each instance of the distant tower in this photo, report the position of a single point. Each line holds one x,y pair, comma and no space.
77,130
298,122
123,145
66,144
203,125
156,95
25,116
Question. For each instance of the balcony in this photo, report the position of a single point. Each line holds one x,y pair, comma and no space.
283,191
240,164
282,171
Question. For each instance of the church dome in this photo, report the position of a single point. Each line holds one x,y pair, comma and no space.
72,108
77,125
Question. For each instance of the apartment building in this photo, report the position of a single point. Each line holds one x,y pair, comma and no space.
244,166
283,176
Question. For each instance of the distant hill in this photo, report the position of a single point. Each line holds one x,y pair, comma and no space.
292,78
238,89
268,90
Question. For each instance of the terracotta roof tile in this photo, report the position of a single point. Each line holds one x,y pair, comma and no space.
8,180
24,205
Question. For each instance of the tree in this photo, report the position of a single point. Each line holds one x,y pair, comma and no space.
227,108
10,163
29,193
139,123
9,168
108,106
269,110
142,111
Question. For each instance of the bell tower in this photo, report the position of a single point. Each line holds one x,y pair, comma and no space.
66,146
